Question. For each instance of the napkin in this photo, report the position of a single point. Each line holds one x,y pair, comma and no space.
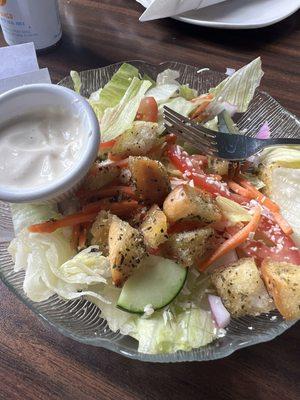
20,67
167,8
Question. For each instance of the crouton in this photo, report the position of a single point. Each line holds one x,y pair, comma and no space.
188,247
283,283
241,288
137,141
100,230
126,250
154,227
217,166
101,174
150,178
188,202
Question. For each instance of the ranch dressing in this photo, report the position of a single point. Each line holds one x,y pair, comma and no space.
38,149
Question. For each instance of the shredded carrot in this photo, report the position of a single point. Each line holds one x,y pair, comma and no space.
105,192
115,157
89,213
263,200
199,110
208,96
106,145
284,225
236,240
75,236
185,226
69,220
121,208
235,187
83,235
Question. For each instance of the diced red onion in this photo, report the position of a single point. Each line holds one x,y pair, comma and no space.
219,312
264,131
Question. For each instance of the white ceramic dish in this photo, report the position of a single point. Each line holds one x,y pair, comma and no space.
27,99
241,14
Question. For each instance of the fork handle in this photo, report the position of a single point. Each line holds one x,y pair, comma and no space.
280,141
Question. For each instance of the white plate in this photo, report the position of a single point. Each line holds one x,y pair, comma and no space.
241,14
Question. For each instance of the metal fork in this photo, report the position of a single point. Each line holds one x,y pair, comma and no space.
218,144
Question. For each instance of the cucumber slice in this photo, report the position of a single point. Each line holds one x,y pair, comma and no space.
157,282
225,123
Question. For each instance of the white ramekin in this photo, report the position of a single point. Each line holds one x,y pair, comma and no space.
39,97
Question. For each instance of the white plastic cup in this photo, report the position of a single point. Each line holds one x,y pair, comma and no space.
34,21
34,98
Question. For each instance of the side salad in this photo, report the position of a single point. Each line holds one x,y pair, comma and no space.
169,243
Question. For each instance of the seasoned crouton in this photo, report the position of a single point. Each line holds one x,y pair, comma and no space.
126,249
150,178
154,227
100,230
266,175
137,141
217,166
188,247
283,283
100,174
241,288
188,202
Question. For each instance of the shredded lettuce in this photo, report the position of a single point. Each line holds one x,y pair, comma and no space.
187,93
49,262
232,211
111,94
24,215
254,180
238,89
286,156
76,81
285,184
183,325
180,105
162,93
118,119
168,76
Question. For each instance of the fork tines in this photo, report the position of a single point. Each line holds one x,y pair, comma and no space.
194,133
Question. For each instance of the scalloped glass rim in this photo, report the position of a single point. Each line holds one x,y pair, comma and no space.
80,319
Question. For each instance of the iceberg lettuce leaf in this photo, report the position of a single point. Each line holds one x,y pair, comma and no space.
239,88
118,119
111,94
48,259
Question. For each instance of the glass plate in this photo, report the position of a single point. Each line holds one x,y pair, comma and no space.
80,319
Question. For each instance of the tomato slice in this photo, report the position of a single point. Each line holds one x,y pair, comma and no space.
191,167
148,110
274,243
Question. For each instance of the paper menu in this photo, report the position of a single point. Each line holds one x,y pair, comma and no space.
167,8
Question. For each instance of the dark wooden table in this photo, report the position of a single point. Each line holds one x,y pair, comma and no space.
38,363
